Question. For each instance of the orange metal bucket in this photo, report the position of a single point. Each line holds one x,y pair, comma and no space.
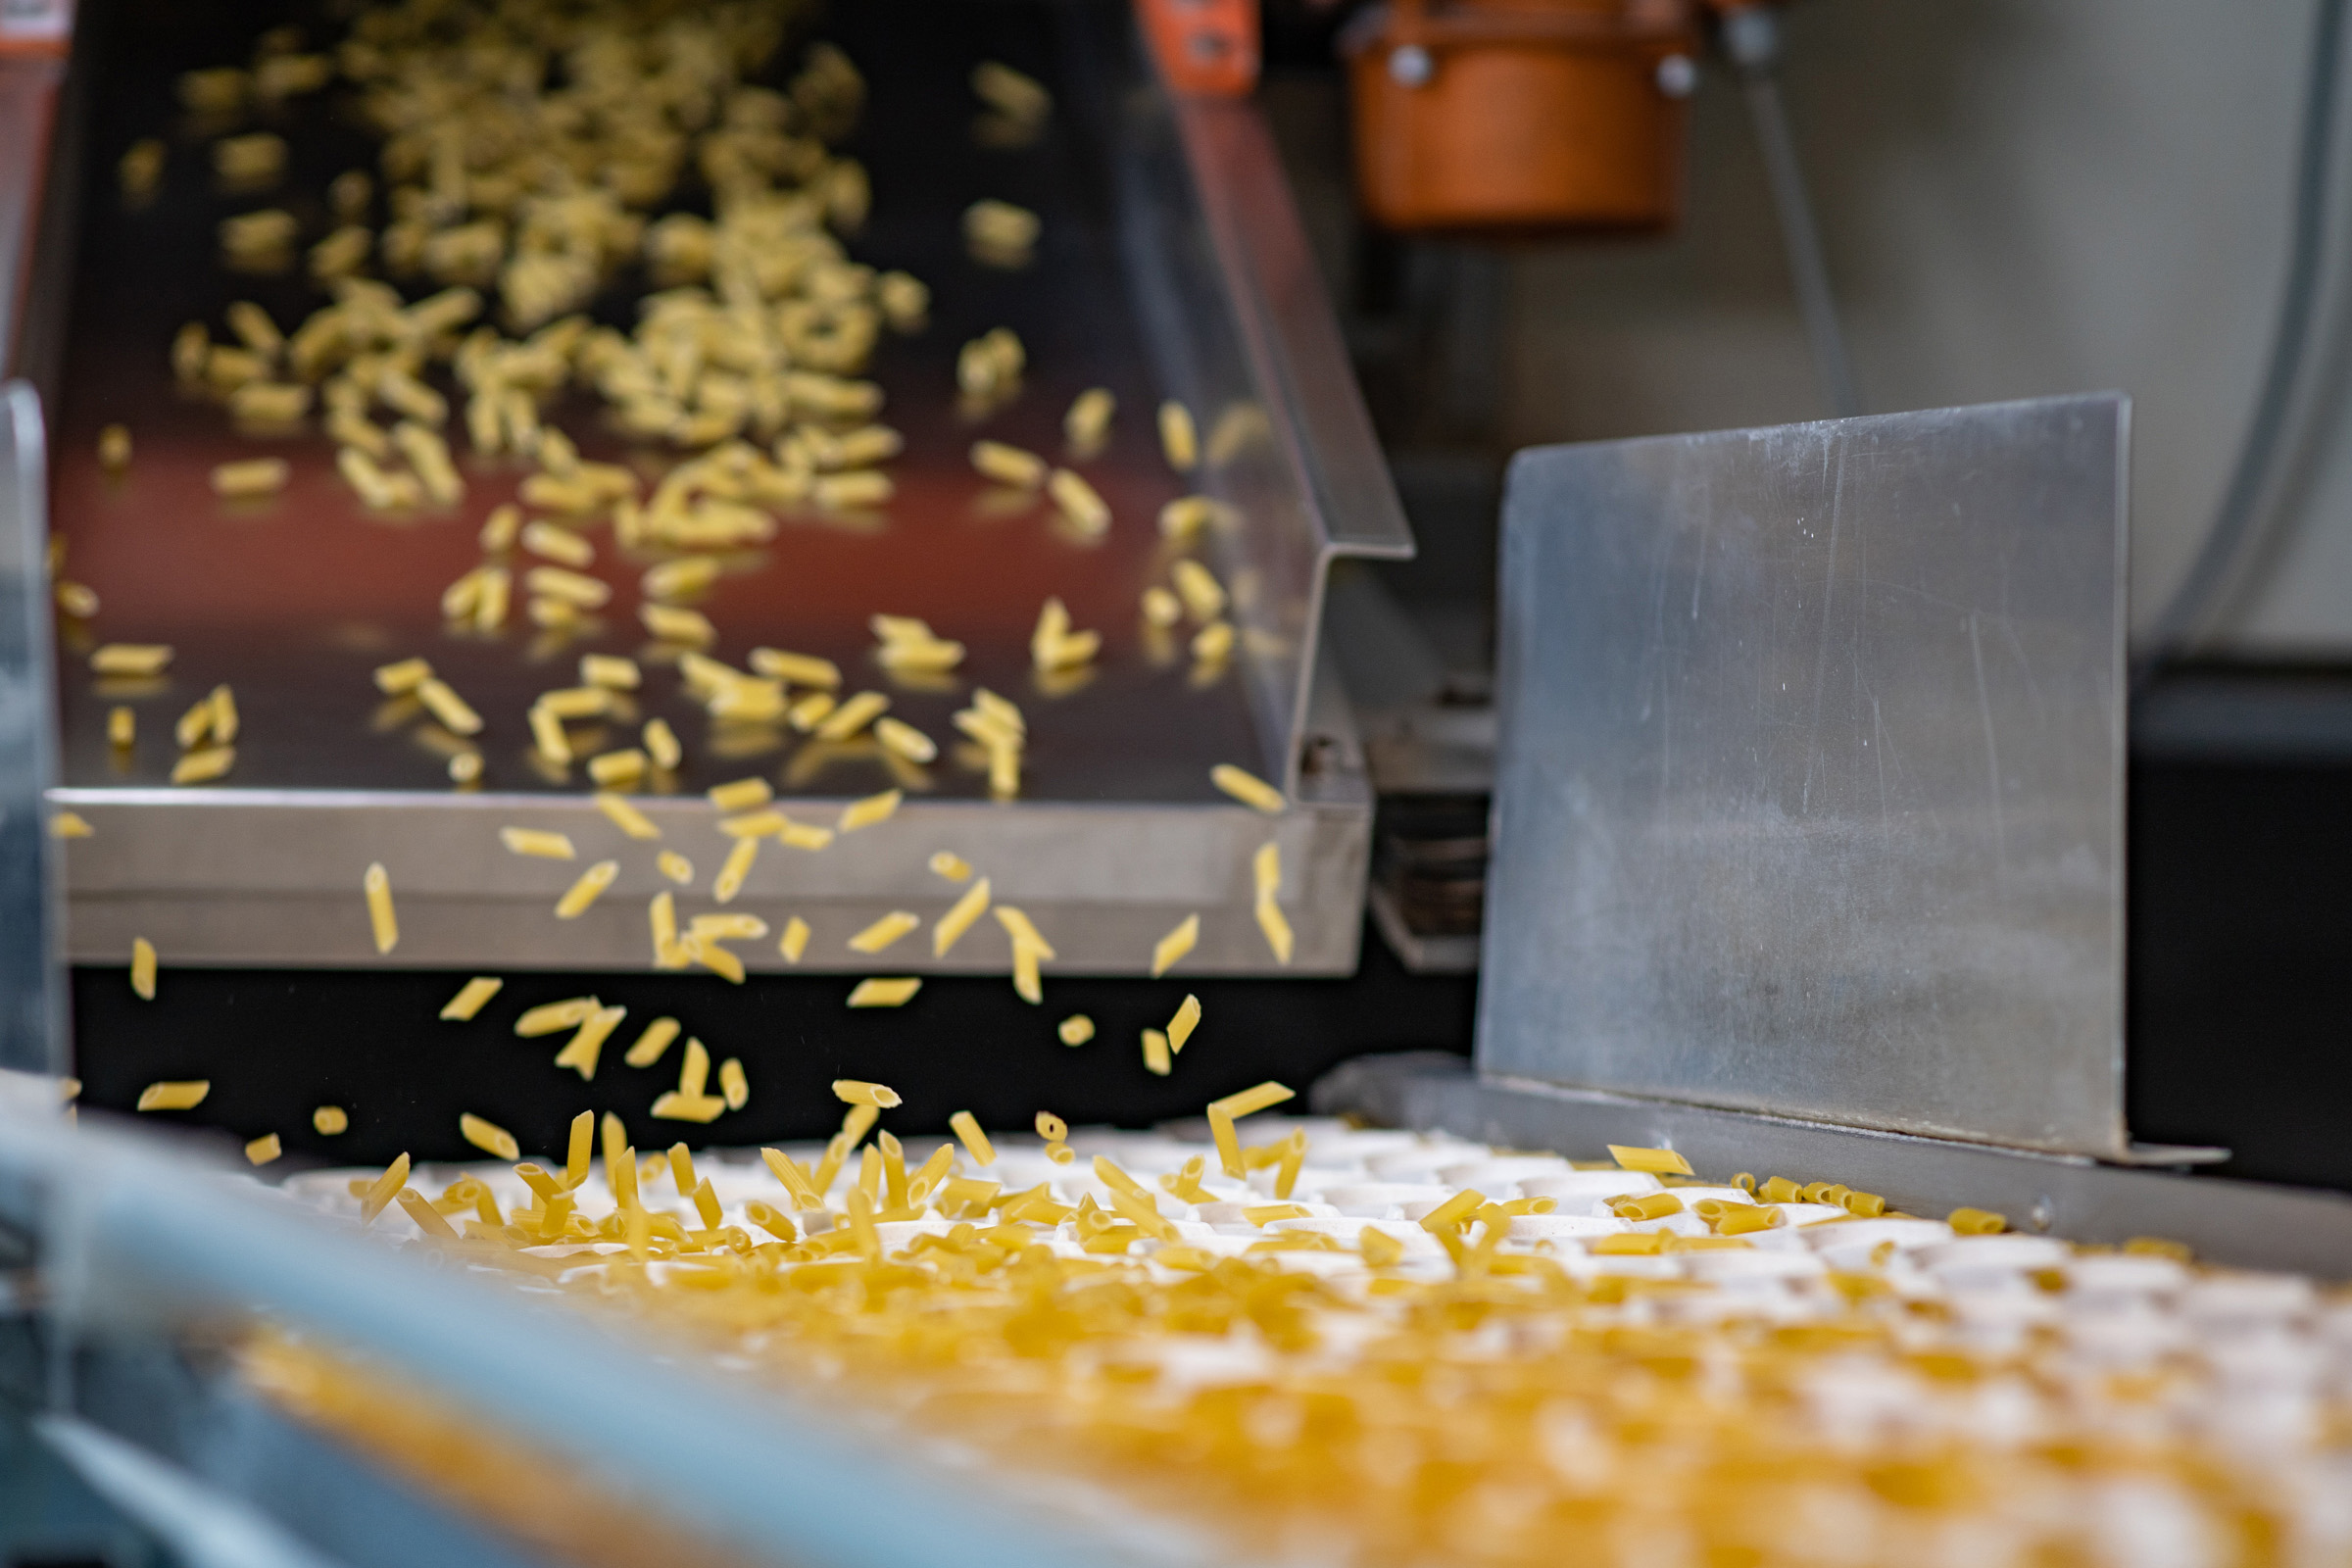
1521,115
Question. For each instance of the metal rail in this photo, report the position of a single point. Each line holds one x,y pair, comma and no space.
134,1240
2248,1224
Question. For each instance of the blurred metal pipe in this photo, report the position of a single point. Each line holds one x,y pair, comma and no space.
1751,37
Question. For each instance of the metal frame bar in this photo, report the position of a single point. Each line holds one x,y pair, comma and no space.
133,1239
2244,1223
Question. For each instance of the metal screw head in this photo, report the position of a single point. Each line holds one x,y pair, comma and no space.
1678,76
1410,65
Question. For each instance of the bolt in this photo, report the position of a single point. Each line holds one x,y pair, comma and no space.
1410,65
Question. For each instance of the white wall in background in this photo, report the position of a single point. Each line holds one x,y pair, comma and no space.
2019,197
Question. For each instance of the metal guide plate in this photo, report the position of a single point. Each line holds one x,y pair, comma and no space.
1810,790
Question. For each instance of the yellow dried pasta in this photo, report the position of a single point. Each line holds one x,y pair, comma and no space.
543,844
585,892
878,992
488,1137
1172,948
1246,788
960,918
175,1094
471,998
872,810
377,885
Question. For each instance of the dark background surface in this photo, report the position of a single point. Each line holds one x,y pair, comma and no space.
278,1044
2241,962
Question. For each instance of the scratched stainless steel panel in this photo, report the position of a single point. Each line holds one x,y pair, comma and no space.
1811,781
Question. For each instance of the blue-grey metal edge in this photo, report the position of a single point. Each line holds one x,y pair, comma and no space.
1315,410
32,995
1237,319
2245,1224
1810,786
133,1239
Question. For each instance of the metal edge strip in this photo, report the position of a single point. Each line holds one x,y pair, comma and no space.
2248,1224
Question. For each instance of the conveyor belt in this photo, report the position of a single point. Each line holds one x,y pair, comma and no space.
1147,281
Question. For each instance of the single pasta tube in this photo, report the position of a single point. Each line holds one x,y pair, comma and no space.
662,745
402,675
203,767
428,1218
885,931
383,1189
967,1131
1079,501
130,658
471,998
378,888
1657,1161
1155,1053
905,740
652,1044
1170,949
553,1017
806,835
1246,788
733,1086
488,1137
330,1120
1027,984
872,808
448,706
587,889
795,941
531,841
579,1150
1276,927
798,670
1075,1030
182,1093
1179,440
1088,421
626,816
663,914
960,918
740,796
1010,464
249,478
1187,1019
1203,597
947,863
263,1149
142,968
738,866
878,992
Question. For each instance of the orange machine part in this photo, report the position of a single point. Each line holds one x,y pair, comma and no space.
1521,115
1204,47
